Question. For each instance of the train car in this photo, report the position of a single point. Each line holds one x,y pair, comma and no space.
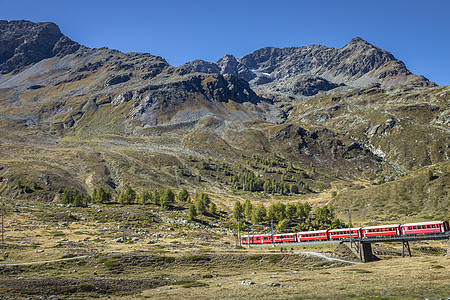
425,227
318,235
344,234
256,239
285,238
382,230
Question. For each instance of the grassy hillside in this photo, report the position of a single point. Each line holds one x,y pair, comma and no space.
421,195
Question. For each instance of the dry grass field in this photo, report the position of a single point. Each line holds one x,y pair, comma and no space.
73,253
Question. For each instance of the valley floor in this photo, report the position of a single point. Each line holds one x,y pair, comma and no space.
73,253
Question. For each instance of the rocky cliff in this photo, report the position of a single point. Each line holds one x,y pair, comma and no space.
23,43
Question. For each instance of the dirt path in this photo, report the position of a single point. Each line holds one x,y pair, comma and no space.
331,258
44,261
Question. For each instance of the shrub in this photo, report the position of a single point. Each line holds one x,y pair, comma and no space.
194,284
110,264
169,259
255,257
195,258
102,260
274,258
86,287
181,282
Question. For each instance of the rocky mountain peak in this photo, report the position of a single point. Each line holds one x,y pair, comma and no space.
358,41
23,43
228,64
201,66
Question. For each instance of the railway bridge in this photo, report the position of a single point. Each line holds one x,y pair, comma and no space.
362,247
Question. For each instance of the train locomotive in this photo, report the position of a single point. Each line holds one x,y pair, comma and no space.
422,228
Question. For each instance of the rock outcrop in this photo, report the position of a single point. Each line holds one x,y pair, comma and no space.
23,43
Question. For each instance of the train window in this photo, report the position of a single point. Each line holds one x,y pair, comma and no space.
258,238
409,227
433,226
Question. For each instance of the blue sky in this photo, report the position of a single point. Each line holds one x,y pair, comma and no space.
416,32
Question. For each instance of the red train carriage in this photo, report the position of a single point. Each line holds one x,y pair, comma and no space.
340,234
319,235
383,230
285,238
256,239
425,227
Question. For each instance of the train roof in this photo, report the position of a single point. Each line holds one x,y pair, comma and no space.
284,233
381,226
252,235
314,231
423,223
344,229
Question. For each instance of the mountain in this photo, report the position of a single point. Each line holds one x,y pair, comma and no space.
281,123
358,63
23,43
59,82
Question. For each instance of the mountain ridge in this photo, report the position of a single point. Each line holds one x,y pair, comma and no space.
358,63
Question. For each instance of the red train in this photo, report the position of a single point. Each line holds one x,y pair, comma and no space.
433,227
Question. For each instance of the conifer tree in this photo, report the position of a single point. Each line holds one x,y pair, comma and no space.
192,212
238,210
259,213
248,208
183,196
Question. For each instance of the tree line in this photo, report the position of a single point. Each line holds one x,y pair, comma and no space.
199,204
298,216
